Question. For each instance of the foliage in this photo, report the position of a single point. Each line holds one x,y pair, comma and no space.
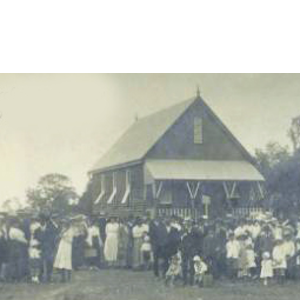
281,170
85,202
53,192
294,133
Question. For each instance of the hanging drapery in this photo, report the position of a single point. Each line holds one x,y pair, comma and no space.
102,186
128,187
114,190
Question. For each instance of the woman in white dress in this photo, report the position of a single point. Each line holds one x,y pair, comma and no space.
279,261
138,238
63,258
111,242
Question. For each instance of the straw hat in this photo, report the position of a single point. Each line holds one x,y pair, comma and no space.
197,258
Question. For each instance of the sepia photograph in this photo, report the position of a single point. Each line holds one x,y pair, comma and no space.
146,186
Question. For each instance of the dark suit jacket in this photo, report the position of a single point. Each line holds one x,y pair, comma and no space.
158,235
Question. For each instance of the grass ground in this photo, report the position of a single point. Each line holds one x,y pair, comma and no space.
123,285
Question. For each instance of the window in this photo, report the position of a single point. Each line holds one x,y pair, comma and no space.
198,134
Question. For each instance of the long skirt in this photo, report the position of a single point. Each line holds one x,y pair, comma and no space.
137,253
111,248
63,259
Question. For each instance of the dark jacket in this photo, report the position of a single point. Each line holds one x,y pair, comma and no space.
158,234
47,238
191,243
172,242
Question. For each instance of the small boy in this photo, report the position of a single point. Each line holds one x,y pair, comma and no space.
200,268
34,260
232,255
174,270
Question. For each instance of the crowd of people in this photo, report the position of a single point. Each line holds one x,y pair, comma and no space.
179,251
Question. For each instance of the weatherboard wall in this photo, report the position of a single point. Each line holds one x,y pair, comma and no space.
178,141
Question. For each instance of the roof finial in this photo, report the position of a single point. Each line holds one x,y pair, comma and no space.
198,91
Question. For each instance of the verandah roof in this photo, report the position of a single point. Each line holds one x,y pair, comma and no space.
201,170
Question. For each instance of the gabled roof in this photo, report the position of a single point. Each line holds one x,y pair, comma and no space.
133,146
141,136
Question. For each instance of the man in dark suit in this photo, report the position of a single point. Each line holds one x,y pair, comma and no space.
190,246
47,236
173,238
159,237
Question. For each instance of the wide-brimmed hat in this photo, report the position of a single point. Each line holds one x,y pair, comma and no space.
197,258
288,230
187,220
77,218
278,240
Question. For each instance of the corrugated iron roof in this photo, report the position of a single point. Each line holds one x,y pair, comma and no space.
141,136
203,170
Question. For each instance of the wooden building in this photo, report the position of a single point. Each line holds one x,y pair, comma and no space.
181,160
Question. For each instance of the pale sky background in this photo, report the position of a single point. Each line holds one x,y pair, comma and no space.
65,122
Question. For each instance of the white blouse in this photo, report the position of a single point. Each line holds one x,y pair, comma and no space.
233,249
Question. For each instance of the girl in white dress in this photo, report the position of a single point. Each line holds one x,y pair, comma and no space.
266,272
174,270
111,242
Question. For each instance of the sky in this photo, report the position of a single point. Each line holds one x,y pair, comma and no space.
63,123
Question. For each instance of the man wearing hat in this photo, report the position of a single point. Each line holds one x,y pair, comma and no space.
47,235
189,248
158,237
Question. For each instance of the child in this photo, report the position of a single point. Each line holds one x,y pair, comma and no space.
251,264
34,250
232,255
174,270
200,268
266,272
279,261
35,260
146,251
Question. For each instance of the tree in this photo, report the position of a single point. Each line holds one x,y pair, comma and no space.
269,158
11,205
92,191
53,192
294,133
273,163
